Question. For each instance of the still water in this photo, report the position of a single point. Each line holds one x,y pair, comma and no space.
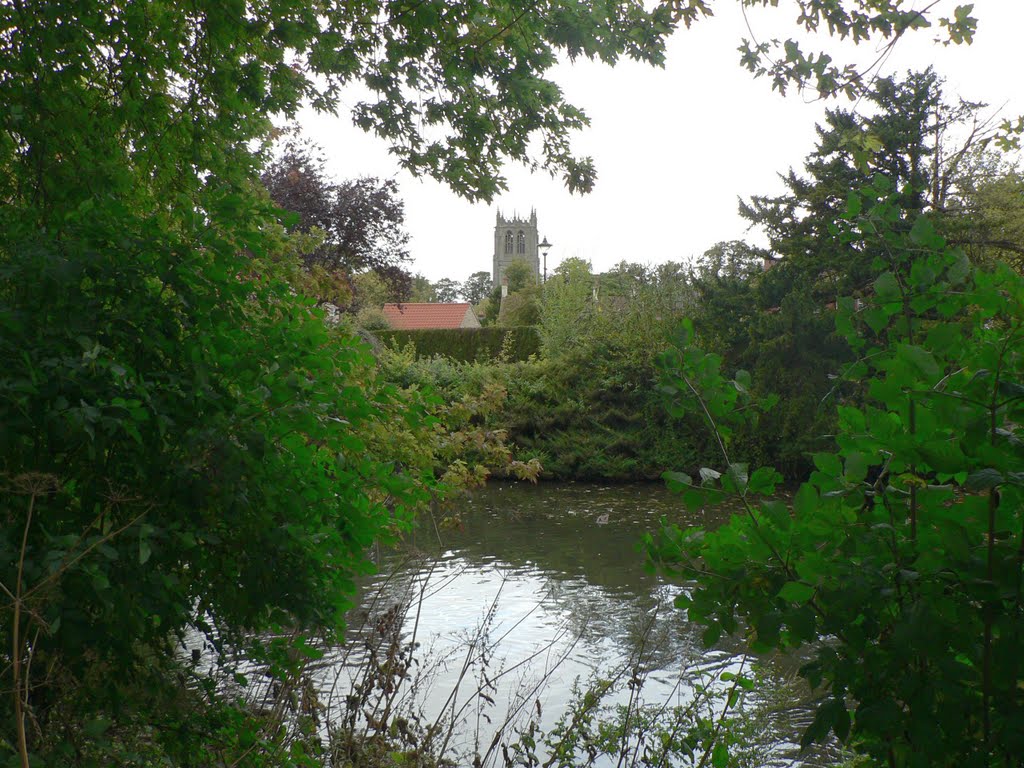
543,588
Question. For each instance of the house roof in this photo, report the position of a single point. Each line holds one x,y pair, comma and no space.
411,316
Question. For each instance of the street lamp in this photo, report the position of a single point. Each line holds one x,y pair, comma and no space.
545,246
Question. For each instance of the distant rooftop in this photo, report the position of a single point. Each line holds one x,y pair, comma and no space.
413,316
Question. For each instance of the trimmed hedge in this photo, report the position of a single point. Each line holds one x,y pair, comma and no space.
467,344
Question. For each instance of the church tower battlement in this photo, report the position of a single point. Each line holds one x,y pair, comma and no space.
515,238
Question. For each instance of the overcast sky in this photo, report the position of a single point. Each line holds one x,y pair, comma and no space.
675,147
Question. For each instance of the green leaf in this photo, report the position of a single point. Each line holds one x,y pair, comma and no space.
777,513
856,470
796,592
828,718
923,233
983,479
720,755
943,456
711,635
854,204
841,722
829,464
922,360
677,481
738,475
886,287
764,480
805,501
876,318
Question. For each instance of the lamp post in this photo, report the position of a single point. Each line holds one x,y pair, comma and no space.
545,246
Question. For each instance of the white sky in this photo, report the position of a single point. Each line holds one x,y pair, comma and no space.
674,147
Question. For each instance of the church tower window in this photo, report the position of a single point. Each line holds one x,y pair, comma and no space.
508,242
521,242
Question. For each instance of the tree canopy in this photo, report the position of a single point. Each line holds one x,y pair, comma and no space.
476,287
360,222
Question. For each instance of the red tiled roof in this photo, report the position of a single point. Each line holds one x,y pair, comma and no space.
410,316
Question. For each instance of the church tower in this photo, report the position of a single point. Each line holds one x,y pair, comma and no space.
514,239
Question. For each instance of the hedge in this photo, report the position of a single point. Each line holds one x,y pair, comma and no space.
467,344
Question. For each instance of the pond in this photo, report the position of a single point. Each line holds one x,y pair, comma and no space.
539,591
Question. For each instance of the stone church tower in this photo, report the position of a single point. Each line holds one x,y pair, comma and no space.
515,238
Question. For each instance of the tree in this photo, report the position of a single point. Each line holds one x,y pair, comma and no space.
778,323
361,221
520,308
724,282
187,450
520,275
491,308
913,135
446,290
371,292
573,268
898,560
997,220
476,287
422,289
986,214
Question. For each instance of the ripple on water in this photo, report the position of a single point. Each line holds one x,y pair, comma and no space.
557,595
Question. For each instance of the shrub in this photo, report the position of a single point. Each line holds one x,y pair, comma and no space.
467,344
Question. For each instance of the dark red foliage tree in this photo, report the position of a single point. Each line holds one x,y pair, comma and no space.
363,219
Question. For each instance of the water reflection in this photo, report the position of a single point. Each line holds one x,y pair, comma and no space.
543,584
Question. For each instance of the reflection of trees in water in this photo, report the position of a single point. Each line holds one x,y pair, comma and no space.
570,574
555,529
591,576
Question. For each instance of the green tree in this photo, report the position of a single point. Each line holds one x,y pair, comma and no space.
987,217
422,289
724,281
187,450
491,307
777,322
566,305
898,561
896,140
590,406
520,275
520,308
476,287
446,290
572,267
372,292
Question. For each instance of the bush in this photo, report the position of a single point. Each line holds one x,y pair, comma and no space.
372,319
899,560
467,344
